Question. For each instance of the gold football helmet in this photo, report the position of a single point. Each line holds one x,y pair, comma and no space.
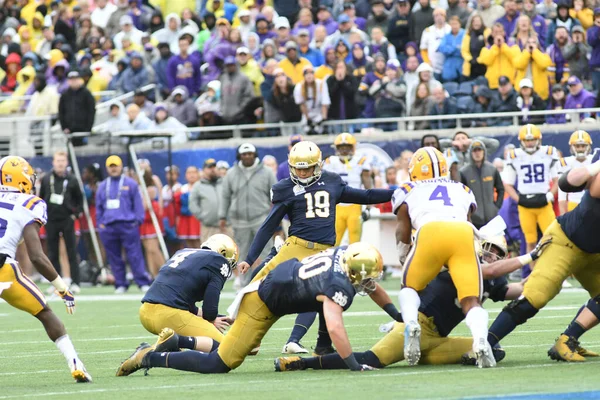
364,265
581,144
225,246
305,155
493,249
345,146
427,163
530,133
16,175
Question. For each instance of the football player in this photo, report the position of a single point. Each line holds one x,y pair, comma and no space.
575,250
356,172
580,144
190,276
309,198
325,282
21,216
439,314
439,209
534,168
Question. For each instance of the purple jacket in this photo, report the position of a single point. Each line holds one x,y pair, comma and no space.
330,25
131,207
360,23
310,28
61,85
184,72
212,58
509,25
540,27
265,36
283,171
593,39
584,99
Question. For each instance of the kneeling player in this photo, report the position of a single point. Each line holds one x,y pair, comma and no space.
325,282
439,314
190,276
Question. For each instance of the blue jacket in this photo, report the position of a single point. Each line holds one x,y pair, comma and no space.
133,79
314,56
160,68
593,39
131,207
450,47
448,108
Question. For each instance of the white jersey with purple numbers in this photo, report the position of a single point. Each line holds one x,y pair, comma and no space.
350,171
567,164
531,173
18,210
434,200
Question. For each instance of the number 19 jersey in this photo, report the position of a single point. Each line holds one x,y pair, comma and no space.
434,200
18,210
532,173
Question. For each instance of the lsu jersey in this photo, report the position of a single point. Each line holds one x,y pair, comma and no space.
531,173
434,200
351,171
567,164
18,210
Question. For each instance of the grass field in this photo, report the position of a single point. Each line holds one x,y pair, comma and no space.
106,329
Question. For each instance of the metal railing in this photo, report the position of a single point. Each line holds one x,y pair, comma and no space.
102,93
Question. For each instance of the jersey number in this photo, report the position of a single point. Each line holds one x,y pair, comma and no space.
3,222
317,204
533,173
178,258
441,193
315,265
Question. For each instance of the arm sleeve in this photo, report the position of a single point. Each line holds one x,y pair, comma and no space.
210,305
370,196
266,230
499,189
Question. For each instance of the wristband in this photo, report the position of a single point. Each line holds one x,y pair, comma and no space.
526,259
351,362
593,169
59,284
392,311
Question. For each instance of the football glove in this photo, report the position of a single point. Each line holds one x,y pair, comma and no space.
366,214
541,246
532,200
365,367
68,299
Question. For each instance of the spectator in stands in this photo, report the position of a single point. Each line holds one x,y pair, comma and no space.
270,162
170,33
504,100
367,81
401,165
457,150
305,21
593,39
250,68
557,102
378,17
76,109
324,18
509,20
162,121
138,119
430,140
344,31
160,67
236,94
442,105
102,12
562,19
208,105
483,105
576,54
183,69
532,60
145,105
13,65
269,52
283,97
318,40
283,170
484,180
219,36
547,9
181,107
342,92
523,32
450,47
262,28
136,76
60,190
425,75
246,199
360,64
421,105
205,197
489,11
312,96
328,67
578,97
528,100
282,28
380,44
455,9
398,31
44,100
558,71
390,92
350,10
537,21
583,14
474,41
117,118
498,57
420,20
431,39
292,65
222,168
127,31
314,56
271,113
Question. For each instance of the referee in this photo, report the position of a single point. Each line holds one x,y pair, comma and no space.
61,192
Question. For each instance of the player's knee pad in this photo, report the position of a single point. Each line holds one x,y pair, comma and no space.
593,305
520,310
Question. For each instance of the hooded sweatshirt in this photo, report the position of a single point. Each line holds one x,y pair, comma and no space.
132,78
184,112
166,35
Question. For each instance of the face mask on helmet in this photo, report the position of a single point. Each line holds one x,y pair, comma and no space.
365,286
491,253
345,152
305,180
531,145
581,150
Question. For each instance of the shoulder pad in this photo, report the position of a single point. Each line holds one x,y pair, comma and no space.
37,209
512,154
563,162
400,194
362,160
467,189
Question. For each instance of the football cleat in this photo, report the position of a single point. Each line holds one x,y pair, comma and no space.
289,364
585,352
293,348
565,349
135,361
78,371
470,359
483,353
323,350
254,351
412,342
167,341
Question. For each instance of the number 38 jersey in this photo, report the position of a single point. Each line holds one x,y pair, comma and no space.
18,210
431,200
351,171
531,173
294,285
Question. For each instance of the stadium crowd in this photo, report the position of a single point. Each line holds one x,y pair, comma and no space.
233,62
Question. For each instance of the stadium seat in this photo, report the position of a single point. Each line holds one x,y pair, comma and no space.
465,89
465,104
451,88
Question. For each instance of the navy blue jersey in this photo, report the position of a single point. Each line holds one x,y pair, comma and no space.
311,209
190,276
439,300
294,285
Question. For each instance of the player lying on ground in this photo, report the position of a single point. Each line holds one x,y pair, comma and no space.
439,314
575,250
325,282
21,216
191,276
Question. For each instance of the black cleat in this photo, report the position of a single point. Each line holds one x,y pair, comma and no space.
167,341
323,350
136,361
289,364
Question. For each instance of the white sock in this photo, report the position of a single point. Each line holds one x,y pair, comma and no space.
477,320
65,346
409,304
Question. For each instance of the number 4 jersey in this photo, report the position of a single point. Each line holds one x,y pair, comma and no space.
18,210
531,173
434,200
